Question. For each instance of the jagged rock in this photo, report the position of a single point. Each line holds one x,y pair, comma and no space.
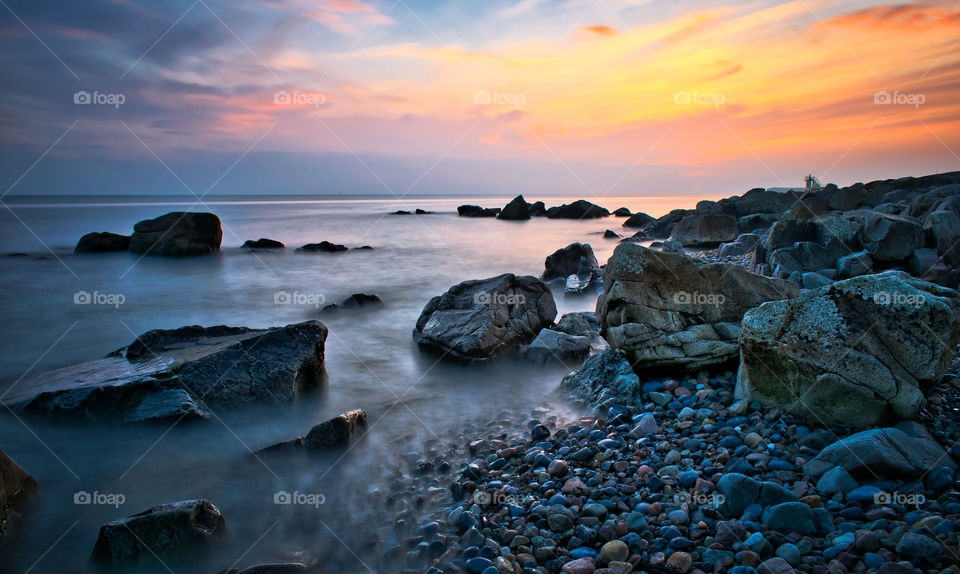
605,379
263,243
854,265
611,234
662,227
664,309
555,346
856,353
757,221
745,243
169,535
891,237
337,432
759,201
170,374
517,209
574,259
102,242
579,209
705,230
17,488
477,320
323,246
177,233
580,324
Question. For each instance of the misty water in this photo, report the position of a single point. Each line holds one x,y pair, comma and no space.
414,404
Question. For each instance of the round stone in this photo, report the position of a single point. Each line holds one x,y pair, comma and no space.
614,551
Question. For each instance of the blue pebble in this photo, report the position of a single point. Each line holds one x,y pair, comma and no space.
557,500
872,560
753,512
833,552
487,552
584,552
478,565
863,494
470,552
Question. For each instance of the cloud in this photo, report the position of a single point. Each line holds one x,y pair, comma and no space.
600,30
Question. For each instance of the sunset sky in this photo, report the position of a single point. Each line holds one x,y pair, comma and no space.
586,98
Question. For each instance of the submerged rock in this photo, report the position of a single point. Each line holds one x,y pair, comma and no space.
324,246
165,536
356,301
337,432
855,353
480,319
580,209
177,233
17,488
175,373
477,211
102,242
262,243
669,310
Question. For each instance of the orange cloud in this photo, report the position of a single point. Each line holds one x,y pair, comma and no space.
600,30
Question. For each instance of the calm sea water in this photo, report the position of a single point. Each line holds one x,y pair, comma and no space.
413,403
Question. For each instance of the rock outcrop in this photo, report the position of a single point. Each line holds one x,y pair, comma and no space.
102,242
176,234
705,230
335,433
580,209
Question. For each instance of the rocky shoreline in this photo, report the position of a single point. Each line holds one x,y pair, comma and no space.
772,385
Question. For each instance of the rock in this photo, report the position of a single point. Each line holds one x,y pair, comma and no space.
17,488
401,212
477,211
477,320
177,233
739,491
419,211
885,452
262,243
680,562
664,309
646,425
813,280
916,545
662,227
517,210
169,535
922,261
550,346
169,374
867,345
579,209
790,517
639,219
583,324
786,232
337,432
854,265
775,566
276,568
756,222
614,551
847,198
745,243
102,242
943,229
356,301
611,234
836,480
579,566
605,379
324,246
705,230
761,201
574,259
623,212
891,237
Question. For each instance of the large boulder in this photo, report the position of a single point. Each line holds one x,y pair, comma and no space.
574,259
480,319
17,488
745,243
856,353
164,537
904,452
580,209
891,237
669,310
177,233
605,379
638,219
102,242
943,229
552,346
662,227
518,209
174,373
761,201
706,230
335,433
262,243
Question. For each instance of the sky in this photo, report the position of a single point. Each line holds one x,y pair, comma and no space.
583,98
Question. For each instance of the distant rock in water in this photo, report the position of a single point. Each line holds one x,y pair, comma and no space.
337,432
177,233
422,212
480,319
580,209
401,212
622,212
637,219
858,353
323,246
183,372
517,209
574,259
263,243
477,211
169,535
611,234
17,488
669,310
102,242
355,301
